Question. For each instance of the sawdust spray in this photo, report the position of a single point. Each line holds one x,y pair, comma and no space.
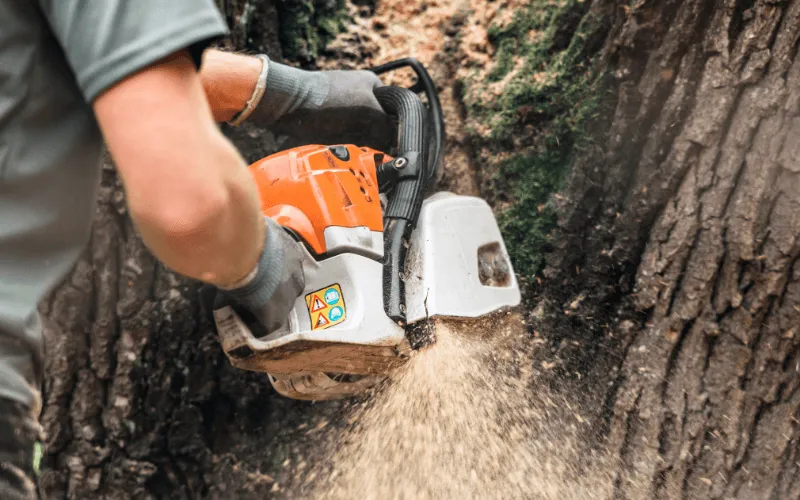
460,420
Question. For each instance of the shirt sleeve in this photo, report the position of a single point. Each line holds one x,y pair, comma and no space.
108,40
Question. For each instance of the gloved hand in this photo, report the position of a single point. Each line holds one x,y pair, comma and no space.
324,107
270,294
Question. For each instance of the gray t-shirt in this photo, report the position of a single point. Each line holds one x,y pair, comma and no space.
56,56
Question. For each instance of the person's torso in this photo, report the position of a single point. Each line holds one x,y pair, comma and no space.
50,148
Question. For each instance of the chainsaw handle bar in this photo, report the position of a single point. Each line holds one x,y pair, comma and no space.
405,198
424,84
421,148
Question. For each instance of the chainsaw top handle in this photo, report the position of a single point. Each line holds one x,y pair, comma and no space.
419,145
435,120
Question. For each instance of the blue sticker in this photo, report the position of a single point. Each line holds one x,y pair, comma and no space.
336,313
332,296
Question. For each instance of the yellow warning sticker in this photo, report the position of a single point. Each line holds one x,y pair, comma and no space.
326,307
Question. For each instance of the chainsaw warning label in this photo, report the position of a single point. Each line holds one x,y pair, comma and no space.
317,305
326,307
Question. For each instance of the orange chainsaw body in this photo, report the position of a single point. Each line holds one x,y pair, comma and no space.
310,188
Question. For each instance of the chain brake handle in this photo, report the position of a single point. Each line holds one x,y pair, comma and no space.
425,85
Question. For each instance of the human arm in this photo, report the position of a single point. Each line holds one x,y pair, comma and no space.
190,194
188,189
325,107
228,79
186,185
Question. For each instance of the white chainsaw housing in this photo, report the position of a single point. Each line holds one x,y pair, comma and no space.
456,266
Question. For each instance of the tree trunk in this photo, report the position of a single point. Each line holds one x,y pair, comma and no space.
678,246
669,287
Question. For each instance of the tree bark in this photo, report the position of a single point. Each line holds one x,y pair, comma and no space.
679,238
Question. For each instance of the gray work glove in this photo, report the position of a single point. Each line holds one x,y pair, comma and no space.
323,107
270,295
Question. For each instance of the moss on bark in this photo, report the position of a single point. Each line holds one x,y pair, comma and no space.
528,114
295,30
306,26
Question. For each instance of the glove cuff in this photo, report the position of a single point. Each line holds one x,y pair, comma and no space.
289,89
257,292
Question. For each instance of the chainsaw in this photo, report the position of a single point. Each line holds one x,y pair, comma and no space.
383,258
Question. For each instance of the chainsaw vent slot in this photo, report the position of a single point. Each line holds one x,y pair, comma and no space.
345,377
493,266
241,352
346,201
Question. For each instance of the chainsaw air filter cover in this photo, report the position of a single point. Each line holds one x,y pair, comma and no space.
457,264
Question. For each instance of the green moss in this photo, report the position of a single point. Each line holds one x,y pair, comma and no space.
537,121
306,27
512,39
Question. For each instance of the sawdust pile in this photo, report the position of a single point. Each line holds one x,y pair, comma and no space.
462,420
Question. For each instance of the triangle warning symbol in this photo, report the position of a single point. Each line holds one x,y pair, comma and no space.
321,321
317,304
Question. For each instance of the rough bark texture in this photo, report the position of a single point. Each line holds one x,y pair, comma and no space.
679,239
672,287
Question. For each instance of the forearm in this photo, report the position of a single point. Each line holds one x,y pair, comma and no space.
189,191
322,107
219,241
228,80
